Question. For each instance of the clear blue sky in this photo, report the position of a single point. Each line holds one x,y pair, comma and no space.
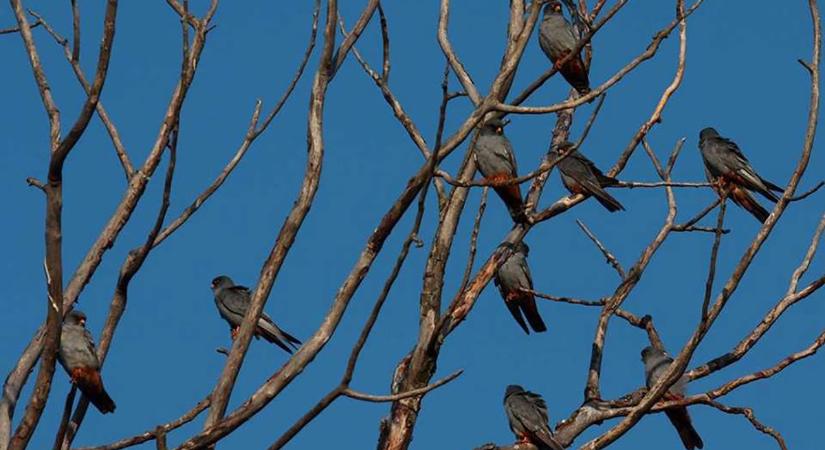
742,77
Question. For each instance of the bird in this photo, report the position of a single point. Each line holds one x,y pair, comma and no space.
78,356
527,414
656,363
511,277
557,40
497,163
580,176
233,302
730,172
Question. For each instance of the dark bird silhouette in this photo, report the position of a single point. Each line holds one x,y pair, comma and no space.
581,176
557,40
497,163
656,363
233,302
728,169
511,278
527,413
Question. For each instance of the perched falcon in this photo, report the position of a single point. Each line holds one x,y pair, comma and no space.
728,169
497,162
581,176
233,301
77,355
656,363
511,277
527,414
557,40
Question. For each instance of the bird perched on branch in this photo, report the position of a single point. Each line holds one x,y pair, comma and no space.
580,176
557,40
656,363
77,355
497,163
731,174
511,278
233,302
527,413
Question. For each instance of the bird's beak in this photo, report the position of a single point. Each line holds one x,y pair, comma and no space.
83,322
499,130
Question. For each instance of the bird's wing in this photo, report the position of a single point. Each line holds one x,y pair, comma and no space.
235,299
531,411
502,150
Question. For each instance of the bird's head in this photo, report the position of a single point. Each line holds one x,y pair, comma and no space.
222,281
522,247
552,7
76,318
707,133
493,126
651,352
564,146
513,389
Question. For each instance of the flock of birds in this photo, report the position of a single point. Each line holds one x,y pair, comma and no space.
725,167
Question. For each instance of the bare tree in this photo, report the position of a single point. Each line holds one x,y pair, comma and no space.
413,378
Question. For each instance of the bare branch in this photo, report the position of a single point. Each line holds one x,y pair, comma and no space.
289,230
482,205
400,396
11,30
153,433
720,222
611,259
748,414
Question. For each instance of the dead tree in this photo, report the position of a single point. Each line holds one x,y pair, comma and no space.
334,41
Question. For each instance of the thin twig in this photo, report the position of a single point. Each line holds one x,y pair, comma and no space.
152,434
717,241
482,205
611,259
402,395
748,414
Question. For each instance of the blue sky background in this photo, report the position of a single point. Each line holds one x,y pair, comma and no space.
742,77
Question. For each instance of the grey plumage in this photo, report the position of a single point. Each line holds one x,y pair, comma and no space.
512,276
527,413
557,40
497,162
580,176
728,168
233,302
656,363
78,357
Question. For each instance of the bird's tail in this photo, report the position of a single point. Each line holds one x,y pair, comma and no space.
515,311
681,421
607,200
277,336
741,197
511,196
91,385
575,73
771,187
531,312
